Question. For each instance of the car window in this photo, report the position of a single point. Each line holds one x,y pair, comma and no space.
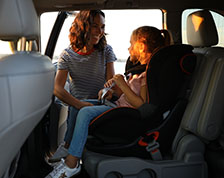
219,22
119,26
5,48
47,22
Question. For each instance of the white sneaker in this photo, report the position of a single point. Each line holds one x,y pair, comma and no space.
60,153
63,171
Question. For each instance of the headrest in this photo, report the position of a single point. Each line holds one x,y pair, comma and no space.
201,29
133,68
18,19
168,71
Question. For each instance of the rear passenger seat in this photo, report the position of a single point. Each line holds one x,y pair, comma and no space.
202,121
207,97
212,106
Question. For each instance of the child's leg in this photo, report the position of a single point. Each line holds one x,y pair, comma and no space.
80,134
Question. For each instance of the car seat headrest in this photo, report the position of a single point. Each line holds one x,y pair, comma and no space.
133,68
18,19
167,72
199,25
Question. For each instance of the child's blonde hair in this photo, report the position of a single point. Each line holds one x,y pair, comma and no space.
152,37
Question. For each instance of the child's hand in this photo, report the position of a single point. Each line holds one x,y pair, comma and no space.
108,95
119,80
108,83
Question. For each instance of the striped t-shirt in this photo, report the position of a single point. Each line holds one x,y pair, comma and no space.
87,71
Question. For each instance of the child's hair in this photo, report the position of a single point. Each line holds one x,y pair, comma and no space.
80,29
152,37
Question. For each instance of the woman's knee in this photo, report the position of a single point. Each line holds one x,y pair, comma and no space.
85,111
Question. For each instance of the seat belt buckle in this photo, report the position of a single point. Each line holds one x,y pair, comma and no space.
152,148
151,145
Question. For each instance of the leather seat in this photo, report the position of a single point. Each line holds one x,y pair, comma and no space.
26,80
211,113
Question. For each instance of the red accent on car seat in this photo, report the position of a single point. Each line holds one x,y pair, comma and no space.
102,114
155,136
154,151
181,63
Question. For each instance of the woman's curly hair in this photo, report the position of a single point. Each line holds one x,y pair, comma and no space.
80,30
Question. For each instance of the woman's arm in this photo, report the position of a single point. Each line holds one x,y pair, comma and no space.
110,73
110,70
62,94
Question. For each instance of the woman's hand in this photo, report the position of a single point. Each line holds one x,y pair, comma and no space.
84,104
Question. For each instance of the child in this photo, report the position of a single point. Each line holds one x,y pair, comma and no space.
144,42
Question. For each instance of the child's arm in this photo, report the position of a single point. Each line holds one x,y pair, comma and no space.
131,97
115,89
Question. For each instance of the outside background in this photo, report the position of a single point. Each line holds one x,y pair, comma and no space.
119,25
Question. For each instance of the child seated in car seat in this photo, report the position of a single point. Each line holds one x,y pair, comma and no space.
144,42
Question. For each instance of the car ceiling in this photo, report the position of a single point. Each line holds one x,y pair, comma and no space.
172,5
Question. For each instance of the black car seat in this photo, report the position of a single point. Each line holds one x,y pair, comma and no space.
198,126
167,74
26,80
132,132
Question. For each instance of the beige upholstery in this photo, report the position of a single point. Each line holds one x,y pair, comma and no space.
26,80
206,98
18,18
203,118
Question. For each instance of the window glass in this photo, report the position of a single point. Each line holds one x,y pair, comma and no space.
119,25
47,22
5,48
219,22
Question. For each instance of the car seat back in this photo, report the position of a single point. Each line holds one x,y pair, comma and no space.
168,74
26,80
203,120
207,78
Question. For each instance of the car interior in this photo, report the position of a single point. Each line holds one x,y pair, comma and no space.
186,143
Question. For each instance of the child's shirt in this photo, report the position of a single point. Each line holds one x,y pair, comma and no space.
135,82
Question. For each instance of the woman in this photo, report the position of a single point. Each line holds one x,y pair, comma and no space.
145,41
89,62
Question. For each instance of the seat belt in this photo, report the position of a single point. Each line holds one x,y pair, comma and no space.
151,145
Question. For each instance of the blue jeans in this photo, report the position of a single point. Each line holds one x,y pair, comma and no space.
71,119
84,117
